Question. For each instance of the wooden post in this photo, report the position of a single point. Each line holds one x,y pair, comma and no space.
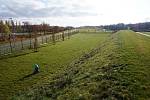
63,36
30,40
53,37
68,35
35,42
1,52
46,39
56,36
21,43
10,43
42,39
14,40
35,31
60,36
50,38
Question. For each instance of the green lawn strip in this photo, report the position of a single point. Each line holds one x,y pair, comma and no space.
117,69
135,51
146,33
52,59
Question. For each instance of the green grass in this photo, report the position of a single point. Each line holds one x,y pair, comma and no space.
116,69
146,33
52,60
135,50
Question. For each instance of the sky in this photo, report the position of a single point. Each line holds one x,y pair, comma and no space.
76,12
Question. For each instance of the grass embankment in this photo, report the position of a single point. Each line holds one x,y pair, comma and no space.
119,68
52,59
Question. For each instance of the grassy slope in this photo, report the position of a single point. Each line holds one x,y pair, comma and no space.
51,59
117,69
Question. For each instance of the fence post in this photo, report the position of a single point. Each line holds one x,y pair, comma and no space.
10,43
30,40
50,39
63,36
46,39
53,37
14,40
42,39
68,35
35,42
21,43
0,52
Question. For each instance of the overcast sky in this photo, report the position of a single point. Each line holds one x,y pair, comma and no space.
77,12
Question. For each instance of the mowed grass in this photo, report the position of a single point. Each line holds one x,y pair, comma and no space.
117,69
146,33
135,50
51,59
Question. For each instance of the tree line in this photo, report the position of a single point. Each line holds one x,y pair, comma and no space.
7,27
140,27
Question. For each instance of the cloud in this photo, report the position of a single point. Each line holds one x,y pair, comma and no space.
43,8
76,12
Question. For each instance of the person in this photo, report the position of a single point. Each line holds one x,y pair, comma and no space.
36,69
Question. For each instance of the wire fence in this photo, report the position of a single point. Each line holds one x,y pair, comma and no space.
17,46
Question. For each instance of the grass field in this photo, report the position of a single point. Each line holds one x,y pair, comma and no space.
117,69
87,66
147,33
52,60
